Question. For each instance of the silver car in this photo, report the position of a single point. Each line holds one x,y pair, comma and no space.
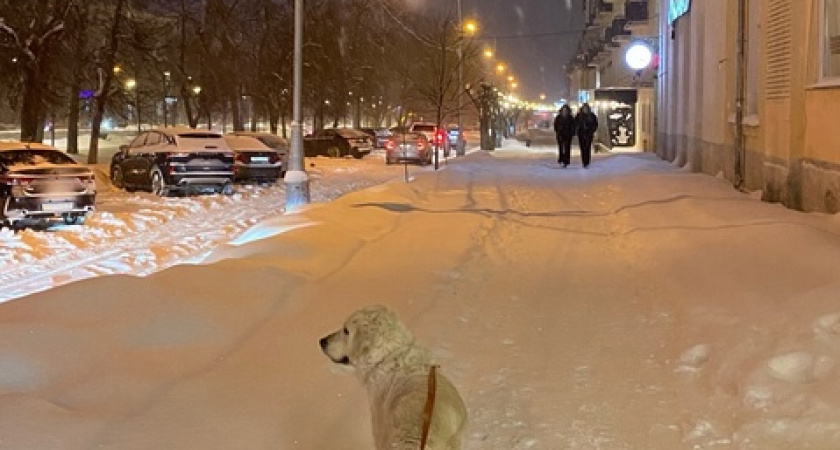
408,147
39,183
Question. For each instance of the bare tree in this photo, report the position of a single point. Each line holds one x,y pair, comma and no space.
31,31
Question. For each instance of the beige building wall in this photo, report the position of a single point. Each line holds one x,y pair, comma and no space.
790,127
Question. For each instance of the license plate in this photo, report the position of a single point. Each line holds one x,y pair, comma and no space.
52,207
259,159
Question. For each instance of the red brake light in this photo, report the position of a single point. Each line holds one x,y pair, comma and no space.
420,144
241,157
389,144
273,158
18,181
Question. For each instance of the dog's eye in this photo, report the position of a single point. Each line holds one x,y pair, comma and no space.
345,331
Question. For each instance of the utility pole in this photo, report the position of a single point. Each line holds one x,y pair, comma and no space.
296,180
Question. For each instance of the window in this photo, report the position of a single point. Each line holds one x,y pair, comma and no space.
138,141
831,39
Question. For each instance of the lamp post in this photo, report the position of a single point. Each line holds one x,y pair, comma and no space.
166,98
131,85
296,180
466,28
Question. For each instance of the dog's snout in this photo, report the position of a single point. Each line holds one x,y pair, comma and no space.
323,341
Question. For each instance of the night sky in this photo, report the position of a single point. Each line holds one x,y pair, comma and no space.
537,61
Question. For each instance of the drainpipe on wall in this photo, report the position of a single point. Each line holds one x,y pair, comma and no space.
740,70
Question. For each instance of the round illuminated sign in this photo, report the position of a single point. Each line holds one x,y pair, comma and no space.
638,56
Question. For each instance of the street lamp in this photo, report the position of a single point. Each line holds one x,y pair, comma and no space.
296,180
501,67
131,85
488,53
469,28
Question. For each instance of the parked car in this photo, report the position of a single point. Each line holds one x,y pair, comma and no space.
274,141
408,147
39,183
435,135
338,142
253,160
380,136
457,140
176,159
542,133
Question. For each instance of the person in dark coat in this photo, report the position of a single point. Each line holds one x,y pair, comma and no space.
564,128
587,124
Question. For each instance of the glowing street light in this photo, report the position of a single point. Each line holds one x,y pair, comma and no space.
196,90
470,27
501,67
511,78
542,97
514,85
130,83
488,53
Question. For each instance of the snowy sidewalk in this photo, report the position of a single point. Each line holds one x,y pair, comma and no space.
628,306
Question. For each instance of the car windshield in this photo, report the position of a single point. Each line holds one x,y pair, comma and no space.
407,136
424,128
350,133
273,141
34,157
200,136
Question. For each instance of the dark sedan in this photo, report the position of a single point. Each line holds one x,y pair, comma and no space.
39,183
254,161
338,143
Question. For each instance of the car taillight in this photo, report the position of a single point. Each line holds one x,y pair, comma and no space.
273,158
19,181
241,158
389,144
420,144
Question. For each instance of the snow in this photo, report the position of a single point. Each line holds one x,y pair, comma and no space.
628,305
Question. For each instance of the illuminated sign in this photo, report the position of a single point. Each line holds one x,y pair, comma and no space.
638,56
677,8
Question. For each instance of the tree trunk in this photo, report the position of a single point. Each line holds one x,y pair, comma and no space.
73,119
31,113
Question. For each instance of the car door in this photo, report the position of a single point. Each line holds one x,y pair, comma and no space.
130,161
146,161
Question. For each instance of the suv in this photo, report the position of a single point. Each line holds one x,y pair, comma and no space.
437,136
39,183
174,159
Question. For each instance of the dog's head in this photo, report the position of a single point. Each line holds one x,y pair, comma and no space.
368,336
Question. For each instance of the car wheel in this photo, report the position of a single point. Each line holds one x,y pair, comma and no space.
334,152
117,178
527,143
228,189
357,154
158,183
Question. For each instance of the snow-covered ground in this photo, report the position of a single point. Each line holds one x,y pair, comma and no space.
631,305
140,233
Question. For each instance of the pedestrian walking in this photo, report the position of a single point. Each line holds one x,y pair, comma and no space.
564,128
587,123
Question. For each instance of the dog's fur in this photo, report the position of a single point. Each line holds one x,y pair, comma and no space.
395,371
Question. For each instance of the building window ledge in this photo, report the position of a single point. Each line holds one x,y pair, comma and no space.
827,83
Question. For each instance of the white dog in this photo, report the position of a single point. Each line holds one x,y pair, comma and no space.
396,373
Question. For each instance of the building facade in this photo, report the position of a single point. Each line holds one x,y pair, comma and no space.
748,89
621,96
